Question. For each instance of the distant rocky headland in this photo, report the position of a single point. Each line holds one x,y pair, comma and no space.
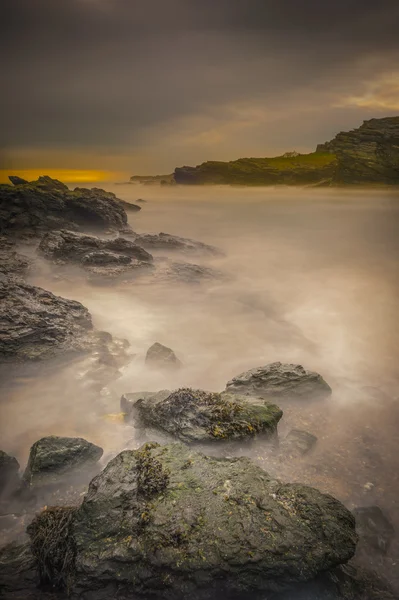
363,156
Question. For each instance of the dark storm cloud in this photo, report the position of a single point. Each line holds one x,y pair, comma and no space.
102,72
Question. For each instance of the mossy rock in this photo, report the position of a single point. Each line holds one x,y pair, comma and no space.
196,416
206,528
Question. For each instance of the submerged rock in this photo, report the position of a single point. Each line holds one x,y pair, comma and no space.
374,529
35,325
28,208
166,241
277,380
196,416
162,357
170,523
12,264
9,478
297,443
53,458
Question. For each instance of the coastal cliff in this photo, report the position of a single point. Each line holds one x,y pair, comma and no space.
366,155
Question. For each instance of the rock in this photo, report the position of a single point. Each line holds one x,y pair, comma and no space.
129,206
167,271
160,356
277,380
196,416
368,154
9,478
35,325
141,201
374,529
130,399
53,458
46,204
15,180
170,523
166,241
18,575
70,246
297,443
346,582
12,264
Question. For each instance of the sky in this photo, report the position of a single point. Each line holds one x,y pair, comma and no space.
113,88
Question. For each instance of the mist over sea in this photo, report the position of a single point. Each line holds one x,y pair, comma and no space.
310,277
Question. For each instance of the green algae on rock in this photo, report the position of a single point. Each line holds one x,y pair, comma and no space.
196,416
214,526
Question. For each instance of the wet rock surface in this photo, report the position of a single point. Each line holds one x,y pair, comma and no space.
105,258
33,207
193,526
297,443
375,530
166,241
196,416
35,325
53,458
160,356
278,380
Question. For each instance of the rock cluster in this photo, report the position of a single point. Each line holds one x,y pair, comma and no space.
29,208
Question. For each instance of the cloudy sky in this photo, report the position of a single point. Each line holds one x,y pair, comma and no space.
142,86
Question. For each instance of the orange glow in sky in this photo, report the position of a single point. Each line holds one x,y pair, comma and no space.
64,175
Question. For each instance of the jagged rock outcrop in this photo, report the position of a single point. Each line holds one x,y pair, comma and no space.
35,325
102,258
53,458
46,204
277,380
368,154
167,522
196,416
9,478
161,357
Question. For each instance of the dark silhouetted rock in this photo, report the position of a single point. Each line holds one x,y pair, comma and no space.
53,458
35,324
297,443
170,523
374,529
47,204
15,180
162,357
196,416
280,380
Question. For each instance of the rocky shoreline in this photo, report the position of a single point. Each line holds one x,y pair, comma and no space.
166,521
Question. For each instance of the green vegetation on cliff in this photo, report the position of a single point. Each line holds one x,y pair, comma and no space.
288,169
367,155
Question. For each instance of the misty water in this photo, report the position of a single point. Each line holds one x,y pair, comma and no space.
309,276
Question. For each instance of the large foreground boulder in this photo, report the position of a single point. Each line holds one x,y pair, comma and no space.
278,380
35,324
196,416
170,523
53,458
32,207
